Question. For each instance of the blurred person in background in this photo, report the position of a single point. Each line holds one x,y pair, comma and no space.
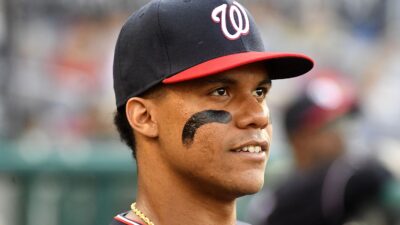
328,186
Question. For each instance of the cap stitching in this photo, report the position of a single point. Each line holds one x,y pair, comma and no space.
162,37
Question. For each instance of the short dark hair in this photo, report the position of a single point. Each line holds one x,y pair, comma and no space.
124,129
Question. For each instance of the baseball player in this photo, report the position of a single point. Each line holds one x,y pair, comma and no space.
191,79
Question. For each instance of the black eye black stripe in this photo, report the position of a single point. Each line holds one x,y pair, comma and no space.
201,118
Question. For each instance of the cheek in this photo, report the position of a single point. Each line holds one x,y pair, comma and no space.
201,161
206,154
200,119
170,125
209,138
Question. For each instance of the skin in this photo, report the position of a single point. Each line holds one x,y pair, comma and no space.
199,183
200,119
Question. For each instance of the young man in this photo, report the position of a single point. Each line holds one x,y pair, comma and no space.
191,79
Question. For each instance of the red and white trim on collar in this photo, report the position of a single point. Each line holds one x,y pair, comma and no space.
124,220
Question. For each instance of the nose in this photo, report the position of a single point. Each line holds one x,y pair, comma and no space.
252,114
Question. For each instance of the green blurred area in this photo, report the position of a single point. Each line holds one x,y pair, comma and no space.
63,187
97,158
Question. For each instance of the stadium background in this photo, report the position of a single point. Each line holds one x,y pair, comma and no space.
61,161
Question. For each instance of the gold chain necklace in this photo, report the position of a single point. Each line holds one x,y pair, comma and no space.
140,214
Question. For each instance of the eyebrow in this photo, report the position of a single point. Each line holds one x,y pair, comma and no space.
226,80
266,82
217,79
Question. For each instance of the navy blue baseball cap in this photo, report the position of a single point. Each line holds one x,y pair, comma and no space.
170,41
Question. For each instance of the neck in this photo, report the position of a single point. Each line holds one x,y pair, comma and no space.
170,200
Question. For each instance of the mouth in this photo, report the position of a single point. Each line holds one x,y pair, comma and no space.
254,147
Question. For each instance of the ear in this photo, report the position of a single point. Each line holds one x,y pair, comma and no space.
139,115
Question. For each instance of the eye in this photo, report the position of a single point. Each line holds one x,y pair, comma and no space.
260,93
220,92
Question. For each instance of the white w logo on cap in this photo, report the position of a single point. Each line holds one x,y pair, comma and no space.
236,11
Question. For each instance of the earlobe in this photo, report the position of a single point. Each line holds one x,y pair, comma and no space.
139,115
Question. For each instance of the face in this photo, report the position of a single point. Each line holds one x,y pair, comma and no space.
215,132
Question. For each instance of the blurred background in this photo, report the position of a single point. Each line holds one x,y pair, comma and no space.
61,161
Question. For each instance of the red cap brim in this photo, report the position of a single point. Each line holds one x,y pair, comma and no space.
279,65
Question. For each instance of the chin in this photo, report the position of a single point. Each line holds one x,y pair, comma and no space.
253,188
249,185
231,188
